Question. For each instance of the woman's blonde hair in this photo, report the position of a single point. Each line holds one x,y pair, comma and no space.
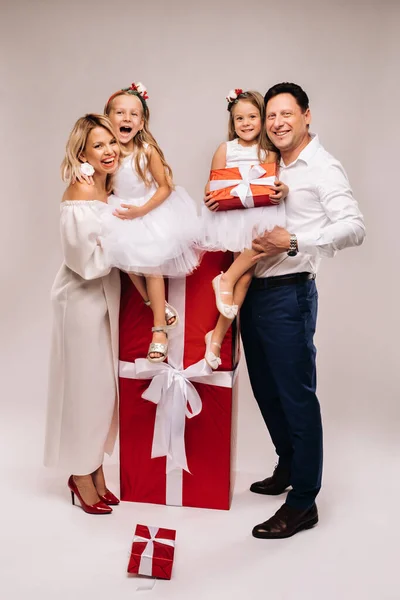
70,167
264,144
142,140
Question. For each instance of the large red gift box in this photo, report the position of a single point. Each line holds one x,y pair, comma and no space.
152,552
247,186
187,417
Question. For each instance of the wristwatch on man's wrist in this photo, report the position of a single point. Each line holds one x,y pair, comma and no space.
293,248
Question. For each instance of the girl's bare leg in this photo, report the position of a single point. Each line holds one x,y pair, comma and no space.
156,292
239,294
139,281
140,284
239,267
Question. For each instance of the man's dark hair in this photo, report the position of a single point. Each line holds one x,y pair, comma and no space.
288,88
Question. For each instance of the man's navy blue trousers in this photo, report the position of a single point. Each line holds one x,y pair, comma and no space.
278,326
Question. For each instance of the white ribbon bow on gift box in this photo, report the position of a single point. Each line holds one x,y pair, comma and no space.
146,559
176,398
242,190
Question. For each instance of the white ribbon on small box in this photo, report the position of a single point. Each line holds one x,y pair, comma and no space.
172,390
251,175
146,559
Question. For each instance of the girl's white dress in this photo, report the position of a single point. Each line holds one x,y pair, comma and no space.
159,243
235,230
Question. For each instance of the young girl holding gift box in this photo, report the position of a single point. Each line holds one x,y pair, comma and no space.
157,225
234,230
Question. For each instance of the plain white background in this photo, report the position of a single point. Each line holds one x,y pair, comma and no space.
60,60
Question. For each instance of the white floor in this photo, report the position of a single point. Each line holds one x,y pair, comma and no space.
51,549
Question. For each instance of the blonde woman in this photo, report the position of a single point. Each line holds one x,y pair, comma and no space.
82,405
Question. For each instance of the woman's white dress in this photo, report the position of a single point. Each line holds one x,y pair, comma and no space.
83,381
235,230
159,243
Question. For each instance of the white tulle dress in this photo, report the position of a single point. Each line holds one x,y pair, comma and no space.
235,230
160,243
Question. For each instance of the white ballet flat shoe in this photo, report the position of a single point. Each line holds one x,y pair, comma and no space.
227,310
211,359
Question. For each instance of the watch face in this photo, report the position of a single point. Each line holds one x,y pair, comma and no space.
292,252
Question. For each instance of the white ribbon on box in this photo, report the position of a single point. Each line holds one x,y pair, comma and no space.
172,390
251,175
146,559
176,398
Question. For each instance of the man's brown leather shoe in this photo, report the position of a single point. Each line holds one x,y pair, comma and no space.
286,522
272,486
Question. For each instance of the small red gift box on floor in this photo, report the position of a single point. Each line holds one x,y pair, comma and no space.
152,552
177,418
247,186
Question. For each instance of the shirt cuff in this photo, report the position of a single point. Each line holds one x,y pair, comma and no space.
306,243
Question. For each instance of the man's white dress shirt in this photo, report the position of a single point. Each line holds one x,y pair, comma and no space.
320,210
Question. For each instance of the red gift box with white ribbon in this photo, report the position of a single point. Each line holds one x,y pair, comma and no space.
247,186
177,418
152,552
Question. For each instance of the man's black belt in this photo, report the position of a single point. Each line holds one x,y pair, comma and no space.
263,283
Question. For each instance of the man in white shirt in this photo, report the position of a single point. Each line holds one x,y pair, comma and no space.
278,318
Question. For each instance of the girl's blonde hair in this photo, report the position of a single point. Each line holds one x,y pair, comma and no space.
142,140
264,144
70,166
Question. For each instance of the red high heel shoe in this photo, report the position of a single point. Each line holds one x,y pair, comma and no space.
109,498
92,509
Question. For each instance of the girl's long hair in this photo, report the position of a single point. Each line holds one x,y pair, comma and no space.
70,166
263,142
142,140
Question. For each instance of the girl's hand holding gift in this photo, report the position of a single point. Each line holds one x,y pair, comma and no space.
281,191
210,202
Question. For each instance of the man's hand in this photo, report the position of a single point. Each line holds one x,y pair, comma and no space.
271,243
131,212
209,202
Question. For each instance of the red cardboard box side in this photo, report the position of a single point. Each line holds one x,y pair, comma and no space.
163,556
208,484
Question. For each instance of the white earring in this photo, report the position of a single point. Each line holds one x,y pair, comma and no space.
86,169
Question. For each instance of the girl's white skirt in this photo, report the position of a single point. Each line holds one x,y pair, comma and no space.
163,242
235,230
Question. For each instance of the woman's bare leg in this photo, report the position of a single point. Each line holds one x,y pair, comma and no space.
86,488
230,278
99,481
156,292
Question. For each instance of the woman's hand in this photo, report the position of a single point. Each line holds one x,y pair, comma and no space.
130,212
210,202
281,191
83,178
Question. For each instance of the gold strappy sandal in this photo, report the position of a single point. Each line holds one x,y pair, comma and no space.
158,347
170,313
